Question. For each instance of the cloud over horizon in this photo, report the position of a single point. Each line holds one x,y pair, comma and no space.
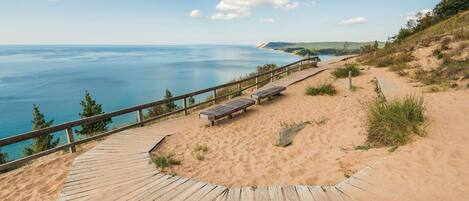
195,13
234,9
353,21
268,20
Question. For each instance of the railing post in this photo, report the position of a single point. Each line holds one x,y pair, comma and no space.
257,82
185,105
214,96
271,77
70,139
139,116
300,65
286,70
350,80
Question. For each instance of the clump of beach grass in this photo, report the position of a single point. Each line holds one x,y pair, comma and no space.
165,161
392,123
323,89
343,72
200,151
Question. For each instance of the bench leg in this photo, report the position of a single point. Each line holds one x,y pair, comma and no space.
230,116
212,123
258,101
270,98
245,109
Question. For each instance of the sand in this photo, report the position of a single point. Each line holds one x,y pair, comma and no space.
41,179
242,151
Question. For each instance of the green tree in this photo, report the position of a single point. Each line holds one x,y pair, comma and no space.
447,8
191,100
376,45
91,108
3,157
43,142
169,106
165,108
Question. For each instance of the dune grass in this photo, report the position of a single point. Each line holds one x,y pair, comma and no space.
392,123
323,89
343,72
200,151
165,161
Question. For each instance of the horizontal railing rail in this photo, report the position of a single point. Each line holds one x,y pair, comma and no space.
67,127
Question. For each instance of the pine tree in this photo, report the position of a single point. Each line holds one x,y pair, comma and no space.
170,106
91,108
43,142
165,108
191,100
3,157
376,45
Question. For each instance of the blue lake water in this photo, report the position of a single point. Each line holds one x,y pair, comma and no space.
56,77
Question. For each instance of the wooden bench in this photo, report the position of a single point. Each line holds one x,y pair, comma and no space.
267,93
227,109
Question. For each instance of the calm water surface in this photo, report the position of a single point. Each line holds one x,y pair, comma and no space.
56,77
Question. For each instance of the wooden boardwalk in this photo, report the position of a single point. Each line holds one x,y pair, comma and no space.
119,168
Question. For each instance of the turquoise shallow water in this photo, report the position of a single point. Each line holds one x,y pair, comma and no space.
56,77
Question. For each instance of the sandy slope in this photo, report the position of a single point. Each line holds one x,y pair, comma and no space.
40,180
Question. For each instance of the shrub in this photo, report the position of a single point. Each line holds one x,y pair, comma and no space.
343,72
323,89
165,161
399,68
199,152
392,123
3,157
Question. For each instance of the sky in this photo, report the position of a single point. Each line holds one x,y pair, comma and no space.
176,22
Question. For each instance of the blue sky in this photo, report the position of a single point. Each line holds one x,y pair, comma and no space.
201,21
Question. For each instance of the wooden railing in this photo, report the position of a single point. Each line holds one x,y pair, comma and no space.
67,127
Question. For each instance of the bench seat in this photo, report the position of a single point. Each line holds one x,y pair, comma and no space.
267,93
227,109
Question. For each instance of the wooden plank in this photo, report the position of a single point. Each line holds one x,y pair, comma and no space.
155,184
179,190
247,194
158,193
318,193
221,197
332,193
131,190
275,193
261,194
234,194
290,193
216,192
304,193
201,192
197,186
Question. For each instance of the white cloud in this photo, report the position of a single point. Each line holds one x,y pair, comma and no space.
413,15
292,5
195,13
267,20
233,9
225,16
355,20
